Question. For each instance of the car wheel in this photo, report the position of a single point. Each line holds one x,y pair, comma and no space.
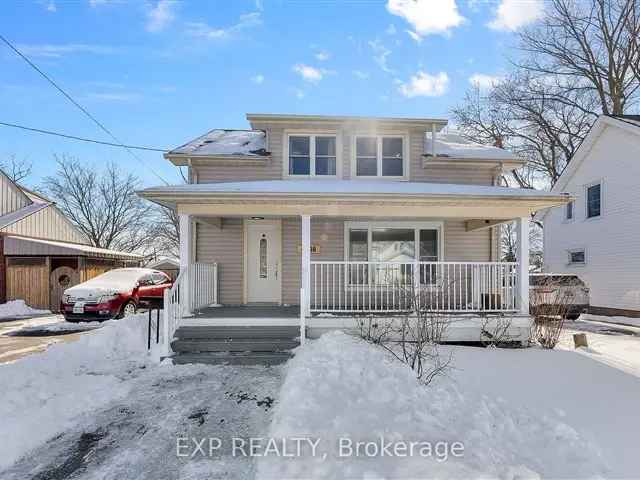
129,309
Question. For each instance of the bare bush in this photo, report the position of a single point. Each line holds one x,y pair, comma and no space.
412,339
495,332
549,305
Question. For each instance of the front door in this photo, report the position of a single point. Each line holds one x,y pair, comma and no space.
264,248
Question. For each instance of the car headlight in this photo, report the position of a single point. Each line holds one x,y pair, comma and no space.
107,298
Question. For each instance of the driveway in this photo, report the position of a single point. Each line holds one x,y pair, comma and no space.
137,438
13,347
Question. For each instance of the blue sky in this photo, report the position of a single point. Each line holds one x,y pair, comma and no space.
159,73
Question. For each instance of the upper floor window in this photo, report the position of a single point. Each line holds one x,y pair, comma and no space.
379,156
594,200
312,155
569,211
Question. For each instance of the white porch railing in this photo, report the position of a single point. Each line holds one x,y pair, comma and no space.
383,287
195,287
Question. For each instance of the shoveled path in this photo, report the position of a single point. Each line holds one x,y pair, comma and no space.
137,438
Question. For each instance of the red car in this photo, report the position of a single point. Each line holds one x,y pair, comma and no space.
114,294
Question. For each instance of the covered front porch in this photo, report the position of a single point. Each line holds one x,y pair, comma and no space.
336,251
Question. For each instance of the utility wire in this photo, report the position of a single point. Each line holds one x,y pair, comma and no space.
80,107
82,139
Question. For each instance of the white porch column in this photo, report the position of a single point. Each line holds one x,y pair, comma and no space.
185,259
305,280
522,247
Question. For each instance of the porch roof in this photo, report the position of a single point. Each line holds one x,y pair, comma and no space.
343,188
355,198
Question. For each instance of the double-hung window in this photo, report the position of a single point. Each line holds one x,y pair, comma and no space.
569,211
594,200
312,155
379,156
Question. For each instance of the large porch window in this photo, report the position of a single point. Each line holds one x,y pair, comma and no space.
388,251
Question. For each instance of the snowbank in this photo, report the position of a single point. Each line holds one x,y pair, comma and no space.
341,387
18,309
44,394
634,322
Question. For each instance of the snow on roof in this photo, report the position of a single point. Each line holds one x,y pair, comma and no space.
630,119
346,187
454,145
226,142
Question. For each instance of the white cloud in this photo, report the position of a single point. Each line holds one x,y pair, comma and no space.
323,55
415,36
51,6
423,84
56,51
203,30
98,3
257,79
380,54
309,73
161,16
360,74
484,81
427,17
391,29
298,93
513,14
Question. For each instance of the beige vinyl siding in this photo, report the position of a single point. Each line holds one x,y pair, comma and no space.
224,246
11,197
48,223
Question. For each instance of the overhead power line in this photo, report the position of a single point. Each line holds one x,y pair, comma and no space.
82,139
80,107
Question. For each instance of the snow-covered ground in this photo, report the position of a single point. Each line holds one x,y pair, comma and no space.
19,309
615,345
521,413
101,407
634,322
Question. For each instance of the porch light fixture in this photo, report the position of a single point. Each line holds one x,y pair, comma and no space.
257,218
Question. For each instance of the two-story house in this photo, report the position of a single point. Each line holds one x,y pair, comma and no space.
344,216
596,235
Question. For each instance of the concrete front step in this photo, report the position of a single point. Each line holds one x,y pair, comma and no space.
247,358
224,332
234,345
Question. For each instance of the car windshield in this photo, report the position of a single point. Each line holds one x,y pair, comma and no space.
126,279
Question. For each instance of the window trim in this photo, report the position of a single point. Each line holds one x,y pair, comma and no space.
415,226
312,153
576,250
379,136
573,211
586,200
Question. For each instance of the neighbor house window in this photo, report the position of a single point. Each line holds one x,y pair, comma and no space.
594,200
569,211
312,155
398,244
577,257
379,156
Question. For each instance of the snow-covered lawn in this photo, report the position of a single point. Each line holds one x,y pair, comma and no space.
615,345
523,413
14,309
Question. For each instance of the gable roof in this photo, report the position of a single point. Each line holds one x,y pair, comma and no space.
629,123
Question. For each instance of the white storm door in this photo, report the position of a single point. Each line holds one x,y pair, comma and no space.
264,247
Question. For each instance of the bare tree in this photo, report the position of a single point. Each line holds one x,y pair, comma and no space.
166,228
102,204
587,46
17,170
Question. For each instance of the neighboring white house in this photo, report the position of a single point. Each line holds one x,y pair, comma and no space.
597,236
